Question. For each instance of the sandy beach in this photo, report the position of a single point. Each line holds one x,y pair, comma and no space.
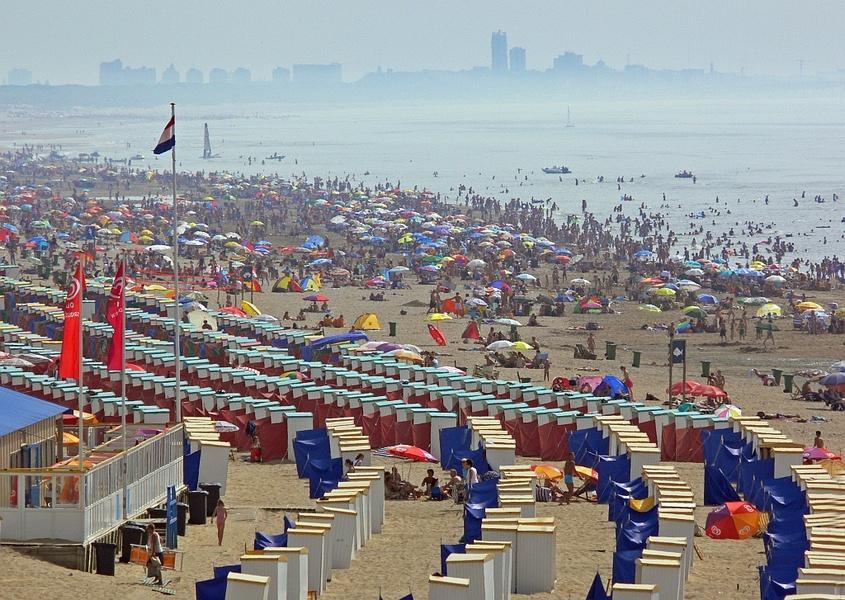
403,556
407,551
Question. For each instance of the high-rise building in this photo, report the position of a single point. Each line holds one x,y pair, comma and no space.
218,75
111,72
193,75
170,75
517,59
568,62
331,73
241,75
499,51
281,75
114,73
20,77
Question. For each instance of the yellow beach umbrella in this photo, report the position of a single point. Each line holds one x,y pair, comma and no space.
438,317
769,309
807,305
664,292
649,308
520,345
250,308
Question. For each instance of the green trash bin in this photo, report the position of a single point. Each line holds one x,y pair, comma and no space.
392,326
776,373
787,383
636,361
610,350
705,368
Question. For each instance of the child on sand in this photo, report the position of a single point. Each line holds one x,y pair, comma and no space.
222,514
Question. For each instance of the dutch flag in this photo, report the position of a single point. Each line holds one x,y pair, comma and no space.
168,138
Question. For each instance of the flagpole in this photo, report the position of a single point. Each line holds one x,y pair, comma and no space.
80,422
177,317
123,381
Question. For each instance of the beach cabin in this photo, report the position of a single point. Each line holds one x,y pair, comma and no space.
62,506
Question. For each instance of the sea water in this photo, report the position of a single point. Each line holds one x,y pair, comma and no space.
740,151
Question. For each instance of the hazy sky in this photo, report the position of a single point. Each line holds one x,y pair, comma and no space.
63,41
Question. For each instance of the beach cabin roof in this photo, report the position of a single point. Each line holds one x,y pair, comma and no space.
18,411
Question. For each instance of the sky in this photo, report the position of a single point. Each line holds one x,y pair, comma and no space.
64,42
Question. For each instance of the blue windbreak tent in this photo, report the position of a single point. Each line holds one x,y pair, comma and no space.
310,445
485,493
596,591
352,336
752,474
191,470
224,570
784,499
446,550
722,448
625,565
453,439
612,469
473,515
268,540
318,487
621,493
635,528
323,475
482,495
717,488
211,589
587,445
776,584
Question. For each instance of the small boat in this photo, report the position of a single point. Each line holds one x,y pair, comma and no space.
137,157
684,175
206,149
568,121
561,170
275,156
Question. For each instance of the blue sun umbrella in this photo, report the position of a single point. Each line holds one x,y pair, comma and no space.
708,299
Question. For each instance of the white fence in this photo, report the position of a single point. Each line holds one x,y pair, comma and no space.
45,504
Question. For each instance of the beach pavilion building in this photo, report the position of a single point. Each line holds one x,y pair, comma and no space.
51,503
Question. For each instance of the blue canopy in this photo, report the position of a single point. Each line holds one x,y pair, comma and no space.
18,411
352,336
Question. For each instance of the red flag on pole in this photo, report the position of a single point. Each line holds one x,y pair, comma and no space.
114,316
70,361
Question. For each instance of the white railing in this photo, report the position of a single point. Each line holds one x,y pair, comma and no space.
45,504
150,468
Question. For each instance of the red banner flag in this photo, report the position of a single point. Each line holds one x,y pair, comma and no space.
114,316
70,361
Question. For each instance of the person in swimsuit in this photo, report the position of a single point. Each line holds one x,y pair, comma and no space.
155,554
221,514
569,477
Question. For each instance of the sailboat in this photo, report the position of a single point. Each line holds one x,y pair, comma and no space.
206,149
568,121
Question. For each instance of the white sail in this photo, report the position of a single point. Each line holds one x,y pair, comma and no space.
206,150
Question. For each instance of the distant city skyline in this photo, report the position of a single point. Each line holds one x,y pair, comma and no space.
504,61
772,37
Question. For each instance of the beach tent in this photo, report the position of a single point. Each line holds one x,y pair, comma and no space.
286,283
367,322
311,283
471,332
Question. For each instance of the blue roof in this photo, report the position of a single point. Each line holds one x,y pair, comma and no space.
19,410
